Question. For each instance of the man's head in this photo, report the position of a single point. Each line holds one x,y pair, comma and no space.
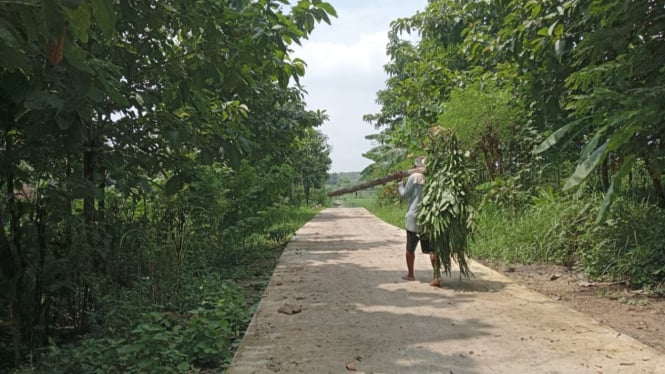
419,162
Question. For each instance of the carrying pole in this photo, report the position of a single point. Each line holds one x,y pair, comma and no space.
375,182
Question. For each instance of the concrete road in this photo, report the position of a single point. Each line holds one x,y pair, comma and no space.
337,304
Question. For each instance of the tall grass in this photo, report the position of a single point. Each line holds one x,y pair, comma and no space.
630,246
555,229
546,231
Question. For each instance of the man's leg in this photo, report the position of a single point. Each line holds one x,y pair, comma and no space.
436,280
436,277
411,243
410,260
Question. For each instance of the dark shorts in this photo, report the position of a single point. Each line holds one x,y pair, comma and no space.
412,242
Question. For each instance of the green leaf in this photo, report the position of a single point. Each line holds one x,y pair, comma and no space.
593,144
184,366
611,193
535,10
543,32
7,36
554,138
559,47
79,21
558,31
586,167
105,17
328,8
174,184
76,57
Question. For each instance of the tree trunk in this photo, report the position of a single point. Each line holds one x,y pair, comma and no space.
605,173
88,175
656,176
306,190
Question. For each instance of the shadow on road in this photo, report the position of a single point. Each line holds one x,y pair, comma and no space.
342,274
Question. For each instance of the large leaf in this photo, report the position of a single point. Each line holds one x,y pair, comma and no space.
611,193
105,17
592,144
586,167
554,138
79,21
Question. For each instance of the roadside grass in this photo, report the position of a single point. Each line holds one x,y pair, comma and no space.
560,230
197,329
543,231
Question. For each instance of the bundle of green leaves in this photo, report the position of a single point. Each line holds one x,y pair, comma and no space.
445,214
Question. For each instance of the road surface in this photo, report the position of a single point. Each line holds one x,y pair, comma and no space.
336,303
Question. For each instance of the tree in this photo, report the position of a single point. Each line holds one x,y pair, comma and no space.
485,119
615,97
312,161
127,100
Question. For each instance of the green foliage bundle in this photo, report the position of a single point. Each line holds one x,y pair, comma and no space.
445,214
550,227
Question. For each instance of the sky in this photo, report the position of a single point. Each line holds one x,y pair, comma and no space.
345,71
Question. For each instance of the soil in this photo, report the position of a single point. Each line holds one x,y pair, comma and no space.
336,303
631,312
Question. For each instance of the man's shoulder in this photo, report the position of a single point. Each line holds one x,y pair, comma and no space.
417,178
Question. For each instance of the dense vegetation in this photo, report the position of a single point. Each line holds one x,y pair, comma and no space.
154,154
560,104
151,152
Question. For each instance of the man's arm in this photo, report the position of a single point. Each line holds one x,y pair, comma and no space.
405,190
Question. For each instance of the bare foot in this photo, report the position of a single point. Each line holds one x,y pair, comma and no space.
436,283
408,278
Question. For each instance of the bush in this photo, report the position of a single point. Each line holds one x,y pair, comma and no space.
160,341
548,230
629,246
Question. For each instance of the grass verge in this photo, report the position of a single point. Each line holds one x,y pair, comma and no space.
193,328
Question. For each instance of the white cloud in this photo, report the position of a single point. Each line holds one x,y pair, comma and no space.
345,70
363,55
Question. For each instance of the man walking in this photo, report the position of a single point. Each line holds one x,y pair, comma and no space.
413,191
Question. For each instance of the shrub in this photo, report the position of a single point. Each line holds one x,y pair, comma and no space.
550,230
629,246
166,341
